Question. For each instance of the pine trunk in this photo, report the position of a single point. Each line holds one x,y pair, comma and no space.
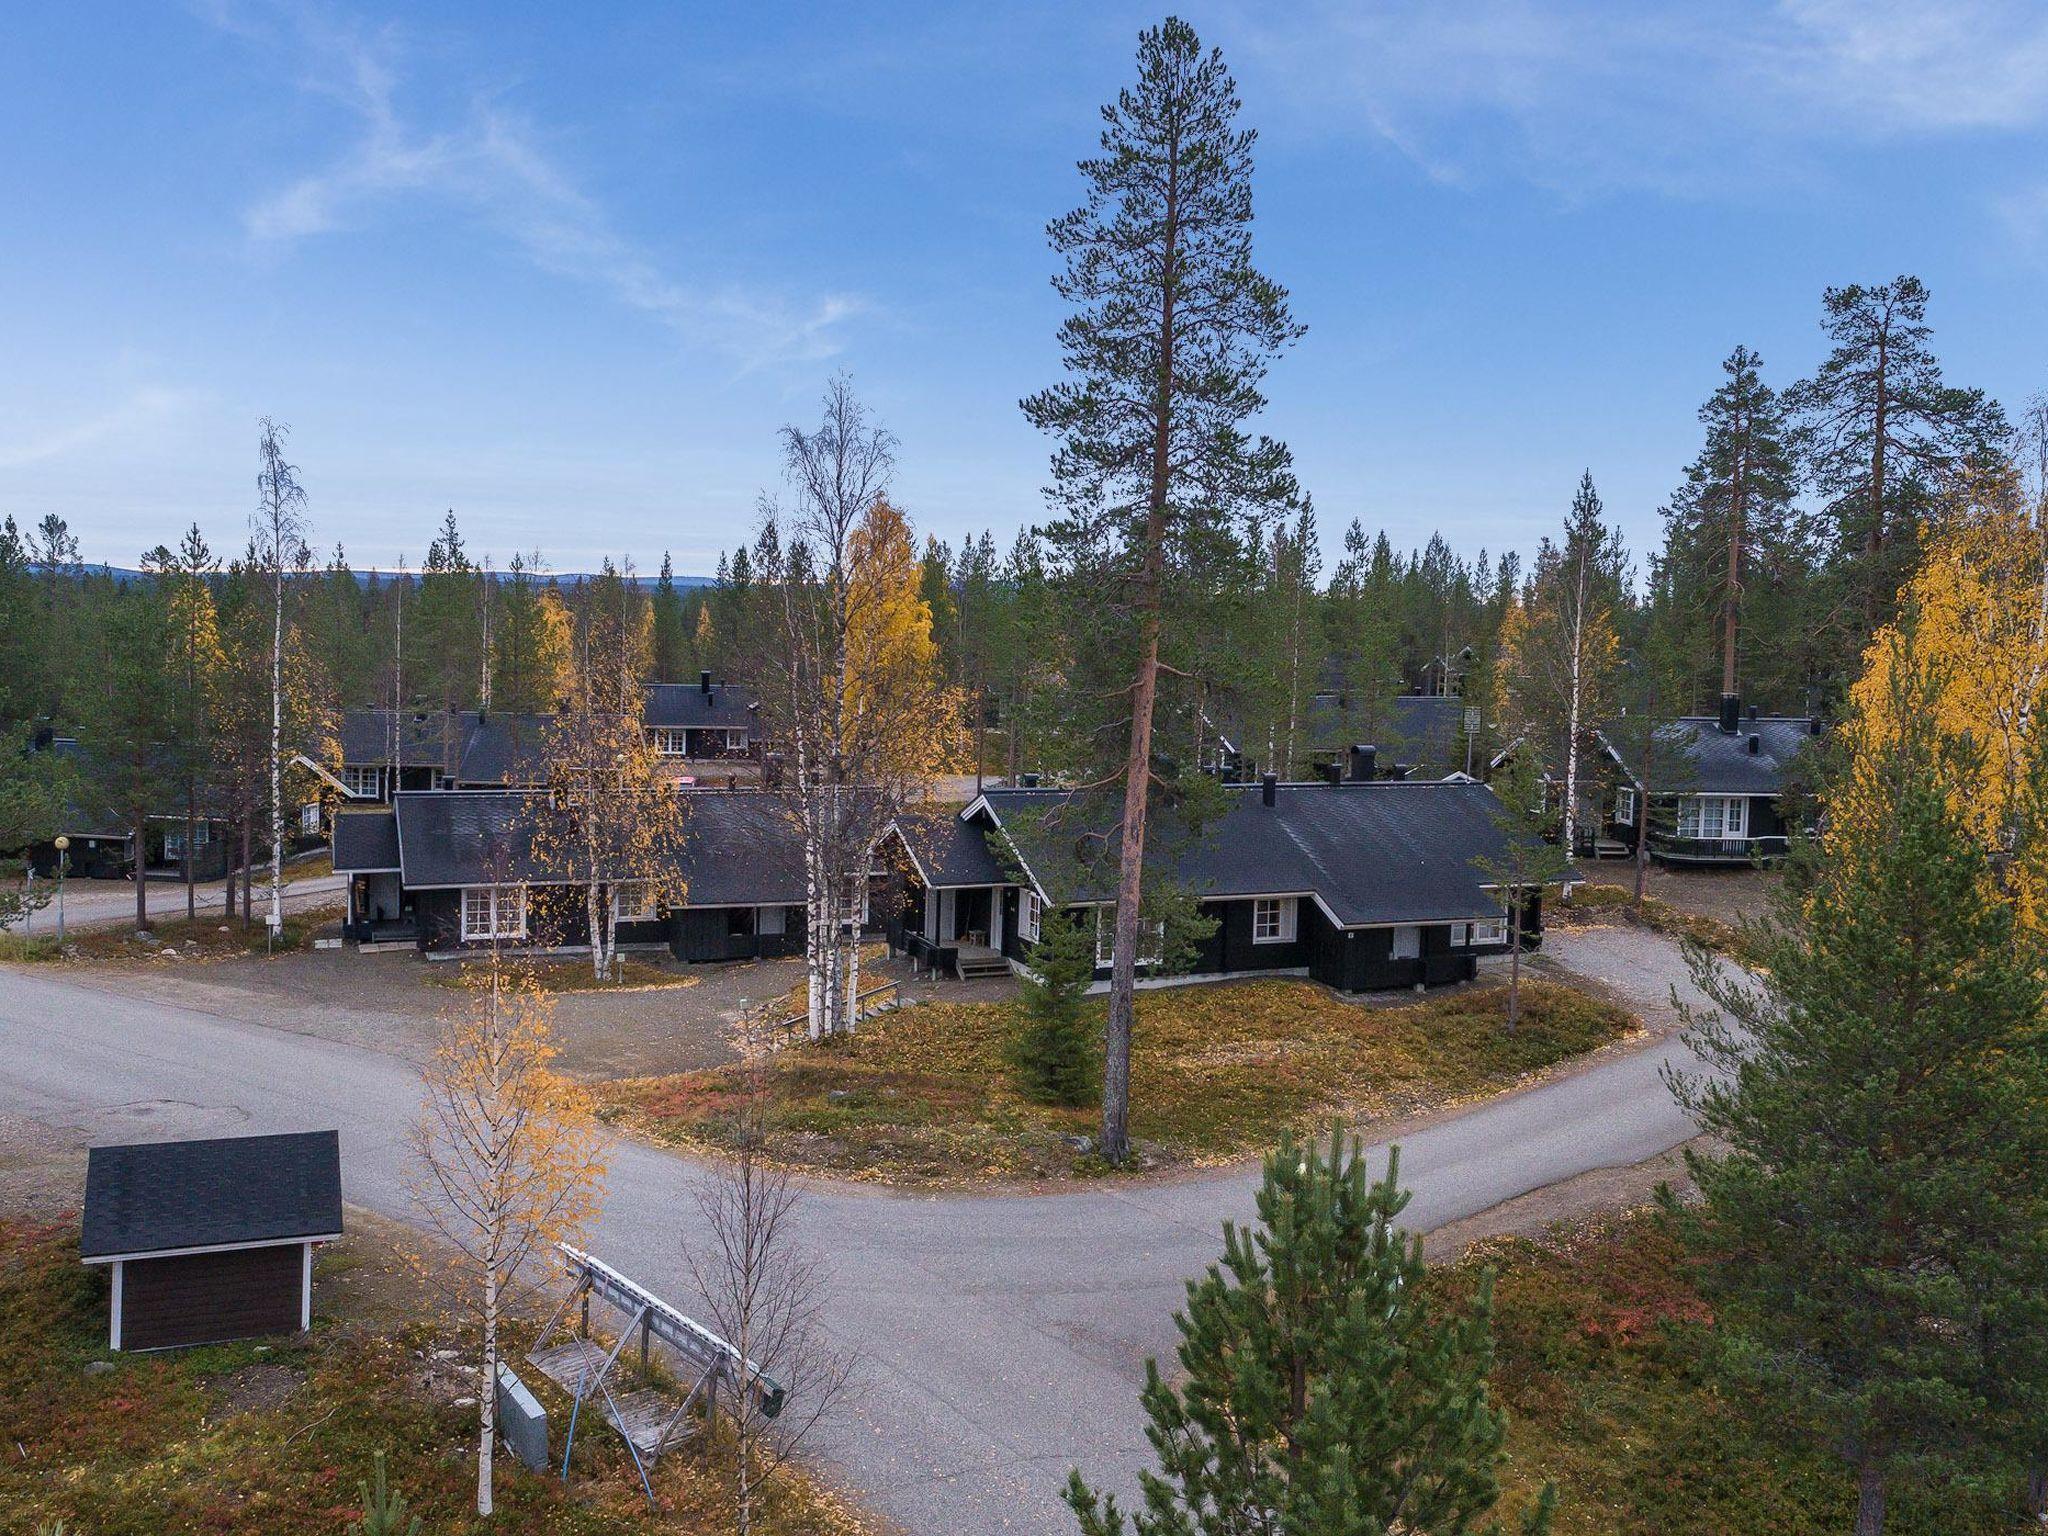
1515,905
1123,972
1870,1498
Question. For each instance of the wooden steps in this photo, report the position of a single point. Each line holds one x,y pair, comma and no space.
642,1418
570,1365
987,966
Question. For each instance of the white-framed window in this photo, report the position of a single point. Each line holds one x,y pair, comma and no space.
1625,806
1492,930
1030,917
1713,818
1407,943
633,902
1151,938
671,741
494,912
1273,919
174,839
363,783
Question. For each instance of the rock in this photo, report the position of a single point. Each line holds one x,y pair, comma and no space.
144,936
98,1367
465,1402
447,1354
1082,1145
837,1094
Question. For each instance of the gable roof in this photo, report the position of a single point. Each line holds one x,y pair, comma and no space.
235,1190
1715,762
365,841
425,737
741,848
949,850
685,705
1371,854
502,749
733,847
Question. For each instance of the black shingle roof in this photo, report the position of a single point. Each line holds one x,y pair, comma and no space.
472,837
1373,854
741,848
949,851
503,749
425,737
674,705
734,847
1713,762
365,840
204,1194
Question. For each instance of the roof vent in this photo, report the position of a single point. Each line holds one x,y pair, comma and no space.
704,682
1756,745
1752,711
1813,726
1269,788
1364,763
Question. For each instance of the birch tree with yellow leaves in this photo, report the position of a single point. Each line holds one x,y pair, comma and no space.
849,676
1978,609
508,1158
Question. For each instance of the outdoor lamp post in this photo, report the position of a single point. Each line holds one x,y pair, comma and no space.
63,858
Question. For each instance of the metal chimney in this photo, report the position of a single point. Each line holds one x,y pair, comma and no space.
1269,788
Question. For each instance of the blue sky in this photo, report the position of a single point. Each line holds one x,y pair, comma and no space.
566,269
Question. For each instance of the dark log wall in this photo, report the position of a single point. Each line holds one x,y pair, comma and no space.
203,1298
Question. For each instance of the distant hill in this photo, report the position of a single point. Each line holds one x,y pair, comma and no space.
381,578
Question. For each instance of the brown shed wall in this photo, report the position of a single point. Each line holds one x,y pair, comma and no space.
203,1298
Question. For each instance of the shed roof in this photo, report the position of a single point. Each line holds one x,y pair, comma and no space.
741,848
234,1191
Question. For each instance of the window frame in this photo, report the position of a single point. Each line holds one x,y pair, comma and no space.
1105,939
648,912
497,900
352,778
1729,822
1030,917
1488,931
1625,795
1285,914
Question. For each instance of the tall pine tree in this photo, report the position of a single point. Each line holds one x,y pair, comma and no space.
1155,481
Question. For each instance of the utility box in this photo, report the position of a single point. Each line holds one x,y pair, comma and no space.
522,1422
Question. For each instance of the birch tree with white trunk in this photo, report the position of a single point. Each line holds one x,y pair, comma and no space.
1560,649
279,526
508,1158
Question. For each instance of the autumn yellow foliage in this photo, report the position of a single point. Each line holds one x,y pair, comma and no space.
893,677
1977,625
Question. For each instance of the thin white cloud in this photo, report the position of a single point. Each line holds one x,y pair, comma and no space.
491,163
1588,96
143,410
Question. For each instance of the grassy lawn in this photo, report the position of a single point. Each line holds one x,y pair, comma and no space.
1604,1365
926,1095
210,937
270,1440
568,975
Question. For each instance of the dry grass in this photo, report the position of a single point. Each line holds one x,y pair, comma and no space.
1606,1365
271,1438
172,939
926,1094
568,975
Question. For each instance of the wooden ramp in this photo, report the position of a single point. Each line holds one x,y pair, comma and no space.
573,1365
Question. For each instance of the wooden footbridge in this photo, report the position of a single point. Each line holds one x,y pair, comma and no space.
649,1415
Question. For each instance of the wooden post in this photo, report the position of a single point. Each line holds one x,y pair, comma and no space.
583,1328
646,1324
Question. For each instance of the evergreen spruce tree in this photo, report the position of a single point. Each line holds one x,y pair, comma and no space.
671,632
1873,1231
1053,1052
1323,1392
1157,487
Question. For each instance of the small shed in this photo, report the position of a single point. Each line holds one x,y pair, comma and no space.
211,1240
